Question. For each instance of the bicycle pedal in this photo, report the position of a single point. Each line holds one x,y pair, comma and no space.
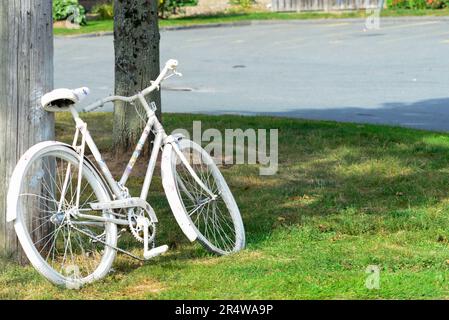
155,252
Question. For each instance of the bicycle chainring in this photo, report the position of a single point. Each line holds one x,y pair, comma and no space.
138,232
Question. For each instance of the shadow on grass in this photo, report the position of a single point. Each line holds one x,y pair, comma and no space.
334,168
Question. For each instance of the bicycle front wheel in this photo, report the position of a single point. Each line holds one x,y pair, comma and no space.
217,222
64,248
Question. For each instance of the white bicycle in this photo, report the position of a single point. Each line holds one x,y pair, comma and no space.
66,210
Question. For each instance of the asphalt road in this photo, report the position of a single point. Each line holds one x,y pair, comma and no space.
329,69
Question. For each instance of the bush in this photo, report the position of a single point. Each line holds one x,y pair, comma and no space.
245,4
417,4
105,11
169,7
436,4
69,9
166,8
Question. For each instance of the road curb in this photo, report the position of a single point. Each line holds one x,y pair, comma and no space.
209,25
268,22
85,35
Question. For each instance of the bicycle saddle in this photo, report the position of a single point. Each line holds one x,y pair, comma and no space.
62,99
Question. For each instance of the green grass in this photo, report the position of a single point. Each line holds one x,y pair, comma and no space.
107,25
346,196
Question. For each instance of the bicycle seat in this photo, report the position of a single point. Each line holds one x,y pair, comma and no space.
61,99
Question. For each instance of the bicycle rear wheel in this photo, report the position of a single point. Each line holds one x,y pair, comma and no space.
65,249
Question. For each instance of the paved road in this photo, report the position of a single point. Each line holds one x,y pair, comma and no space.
330,69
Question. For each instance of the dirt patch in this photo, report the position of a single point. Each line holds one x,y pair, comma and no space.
65,24
140,289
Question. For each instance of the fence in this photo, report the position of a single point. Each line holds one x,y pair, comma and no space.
323,5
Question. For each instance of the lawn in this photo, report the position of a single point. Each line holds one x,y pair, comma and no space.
223,18
346,196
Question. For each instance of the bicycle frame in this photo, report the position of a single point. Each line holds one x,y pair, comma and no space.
118,188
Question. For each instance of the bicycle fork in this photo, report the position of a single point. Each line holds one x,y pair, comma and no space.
189,168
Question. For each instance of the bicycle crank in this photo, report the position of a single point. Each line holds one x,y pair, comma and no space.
144,223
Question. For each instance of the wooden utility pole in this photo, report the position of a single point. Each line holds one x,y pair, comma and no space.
26,73
136,42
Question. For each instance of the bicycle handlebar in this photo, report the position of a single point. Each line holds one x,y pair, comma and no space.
169,65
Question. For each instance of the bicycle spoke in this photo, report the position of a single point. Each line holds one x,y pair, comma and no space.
51,231
210,216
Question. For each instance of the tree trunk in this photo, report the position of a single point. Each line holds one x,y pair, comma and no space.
136,42
26,73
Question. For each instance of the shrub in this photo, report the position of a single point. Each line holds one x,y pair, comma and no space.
169,7
417,4
436,4
69,9
166,8
245,4
399,4
105,10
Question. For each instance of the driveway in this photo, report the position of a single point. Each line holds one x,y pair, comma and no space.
331,69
